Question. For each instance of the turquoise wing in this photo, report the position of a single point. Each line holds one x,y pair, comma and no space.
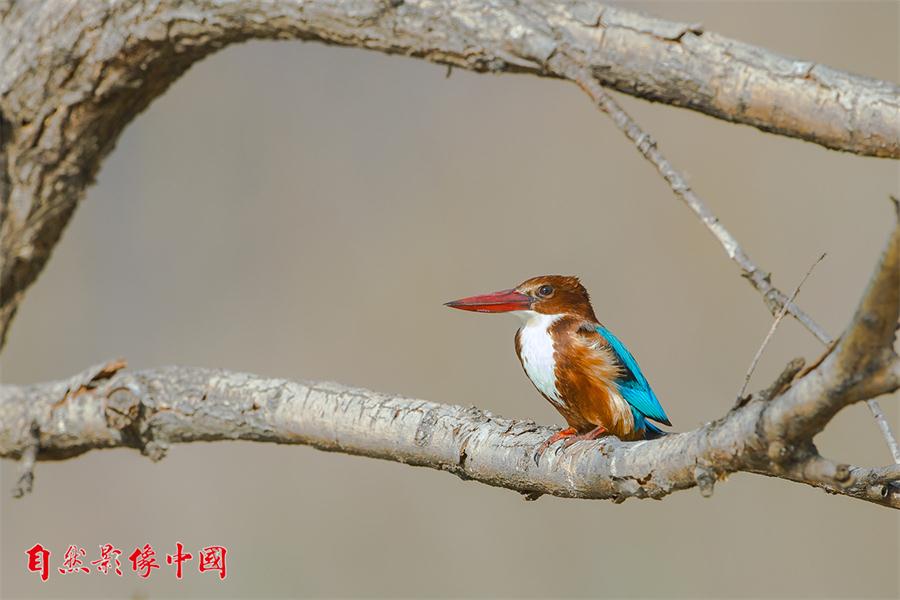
632,384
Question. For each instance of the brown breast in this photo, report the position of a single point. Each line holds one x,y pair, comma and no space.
586,370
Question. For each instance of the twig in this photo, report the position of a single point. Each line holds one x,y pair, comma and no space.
791,371
759,279
646,145
885,429
772,329
25,480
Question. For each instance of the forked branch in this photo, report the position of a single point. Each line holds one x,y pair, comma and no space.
777,302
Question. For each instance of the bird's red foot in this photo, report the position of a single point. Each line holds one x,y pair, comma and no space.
593,434
560,435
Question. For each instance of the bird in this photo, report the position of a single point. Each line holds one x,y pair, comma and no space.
575,362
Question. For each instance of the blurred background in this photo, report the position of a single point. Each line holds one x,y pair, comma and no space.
302,211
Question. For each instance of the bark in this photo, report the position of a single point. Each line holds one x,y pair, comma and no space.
74,74
771,434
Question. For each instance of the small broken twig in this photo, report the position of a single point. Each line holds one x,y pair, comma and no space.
25,480
781,383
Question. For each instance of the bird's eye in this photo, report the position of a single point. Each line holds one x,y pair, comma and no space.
545,291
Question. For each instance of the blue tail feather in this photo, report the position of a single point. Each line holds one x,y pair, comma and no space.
651,431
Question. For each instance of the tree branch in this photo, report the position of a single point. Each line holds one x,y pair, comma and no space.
72,79
861,364
774,298
106,407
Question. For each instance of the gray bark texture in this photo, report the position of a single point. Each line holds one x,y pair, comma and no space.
770,434
73,74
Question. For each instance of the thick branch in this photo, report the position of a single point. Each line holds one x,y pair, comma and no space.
105,408
771,434
74,74
871,335
151,409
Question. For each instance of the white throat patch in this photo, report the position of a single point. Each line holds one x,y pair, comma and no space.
537,352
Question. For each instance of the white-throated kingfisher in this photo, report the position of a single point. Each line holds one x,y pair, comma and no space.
576,363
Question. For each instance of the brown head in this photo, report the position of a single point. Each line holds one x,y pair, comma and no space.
546,294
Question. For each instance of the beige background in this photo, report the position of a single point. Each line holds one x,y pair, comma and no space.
301,211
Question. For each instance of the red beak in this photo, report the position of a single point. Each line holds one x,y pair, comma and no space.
498,302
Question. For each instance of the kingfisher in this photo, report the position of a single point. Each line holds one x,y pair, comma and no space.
575,362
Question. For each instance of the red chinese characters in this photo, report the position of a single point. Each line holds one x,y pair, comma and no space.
38,561
212,558
72,562
143,560
109,557
179,558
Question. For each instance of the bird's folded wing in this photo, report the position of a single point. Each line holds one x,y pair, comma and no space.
631,383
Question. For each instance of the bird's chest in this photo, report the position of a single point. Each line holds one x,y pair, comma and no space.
537,353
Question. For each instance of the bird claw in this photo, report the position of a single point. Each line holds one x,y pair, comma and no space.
568,432
539,452
569,437
594,434
570,441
